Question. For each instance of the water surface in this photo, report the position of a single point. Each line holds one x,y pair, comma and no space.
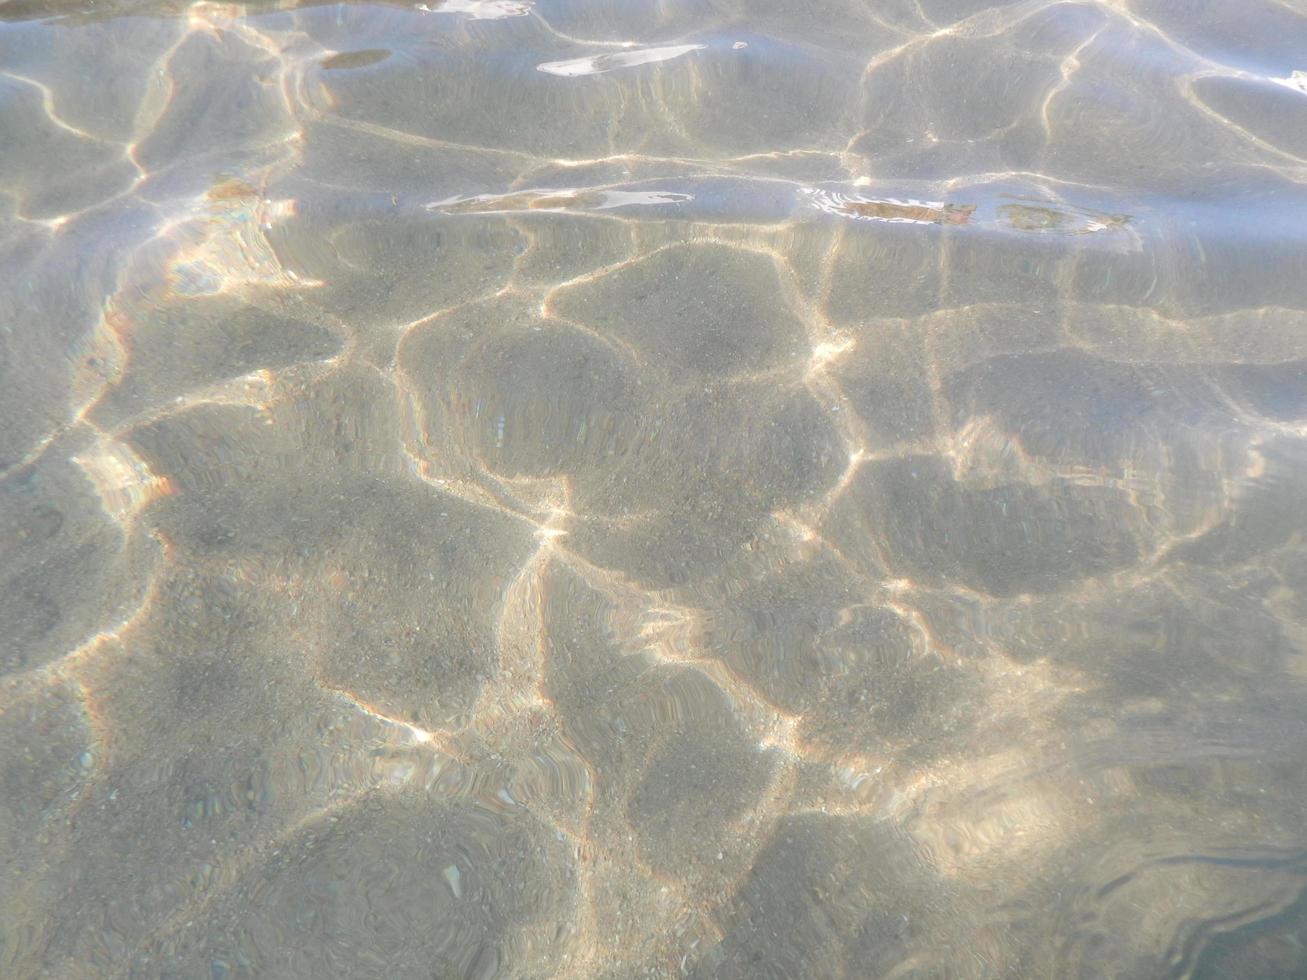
699,488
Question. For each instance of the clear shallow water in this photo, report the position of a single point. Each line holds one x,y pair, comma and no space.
575,489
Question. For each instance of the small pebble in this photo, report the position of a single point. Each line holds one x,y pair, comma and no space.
455,879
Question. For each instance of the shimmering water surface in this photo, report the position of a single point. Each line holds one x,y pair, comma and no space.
616,489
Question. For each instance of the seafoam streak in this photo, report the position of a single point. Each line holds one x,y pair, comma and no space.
568,199
1297,82
600,63
479,9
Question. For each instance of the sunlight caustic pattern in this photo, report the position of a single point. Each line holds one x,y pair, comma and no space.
604,490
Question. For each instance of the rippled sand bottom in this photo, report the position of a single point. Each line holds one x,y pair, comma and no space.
494,489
